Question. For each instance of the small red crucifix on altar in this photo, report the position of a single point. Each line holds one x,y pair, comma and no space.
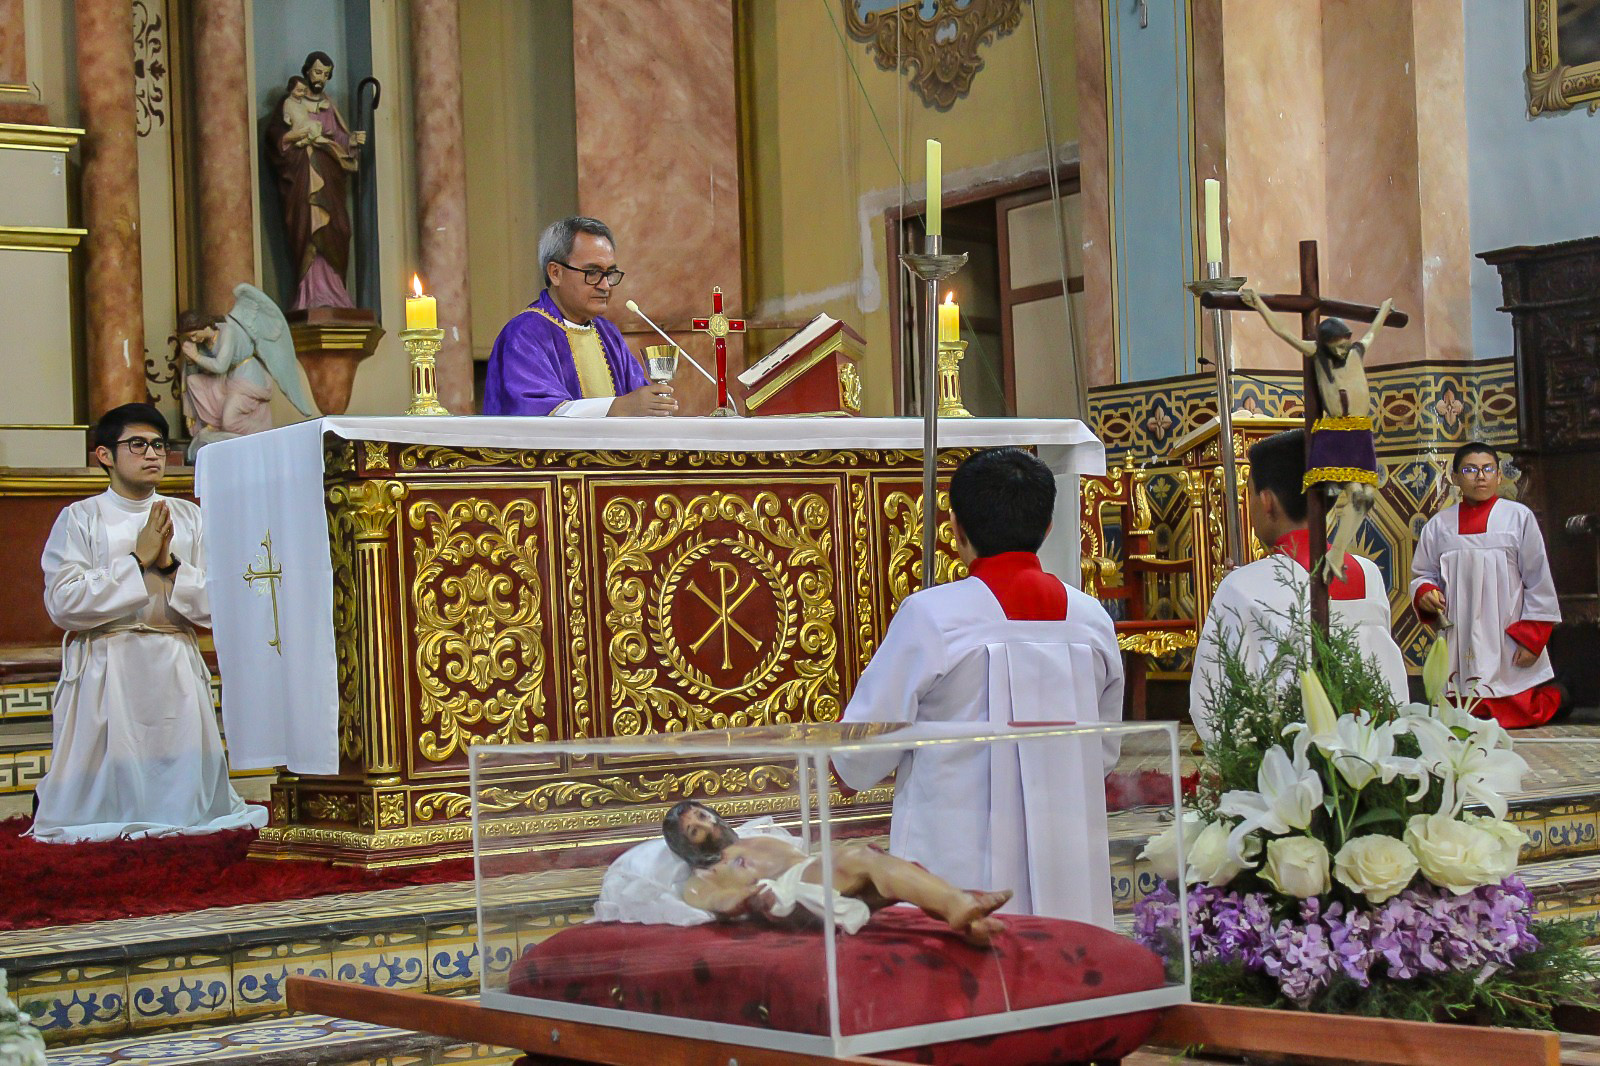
719,325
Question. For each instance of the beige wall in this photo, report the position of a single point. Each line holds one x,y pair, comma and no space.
820,173
522,170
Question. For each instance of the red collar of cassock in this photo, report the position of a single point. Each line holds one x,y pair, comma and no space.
1474,517
1296,544
1026,593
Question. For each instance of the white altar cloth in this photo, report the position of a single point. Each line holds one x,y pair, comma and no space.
280,704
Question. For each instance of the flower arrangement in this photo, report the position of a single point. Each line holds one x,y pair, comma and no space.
20,1042
1332,858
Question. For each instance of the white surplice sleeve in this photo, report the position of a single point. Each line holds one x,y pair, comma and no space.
1222,616
1539,602
908,663
78,593
1108,657
1425,568
188,595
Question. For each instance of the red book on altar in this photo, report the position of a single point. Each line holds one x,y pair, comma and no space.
814,372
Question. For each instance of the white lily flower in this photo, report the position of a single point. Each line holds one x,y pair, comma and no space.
1320,715
1436,670
1288,794
1473,767
1362,751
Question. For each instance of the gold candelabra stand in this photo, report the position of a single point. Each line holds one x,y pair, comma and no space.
950,355
422,346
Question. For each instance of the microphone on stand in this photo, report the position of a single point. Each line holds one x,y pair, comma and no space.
635,309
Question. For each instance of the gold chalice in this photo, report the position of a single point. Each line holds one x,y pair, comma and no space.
661,362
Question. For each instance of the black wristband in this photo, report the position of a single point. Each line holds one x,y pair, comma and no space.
137,561
168,570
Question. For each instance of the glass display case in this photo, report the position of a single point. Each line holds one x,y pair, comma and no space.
788,917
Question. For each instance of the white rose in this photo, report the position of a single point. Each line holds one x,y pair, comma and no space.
1377,867
1455,855
1210,859
1297,866
1162,849
1510,838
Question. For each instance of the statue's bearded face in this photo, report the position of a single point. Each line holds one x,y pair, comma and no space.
319,75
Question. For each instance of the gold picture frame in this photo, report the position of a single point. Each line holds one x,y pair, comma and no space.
1563,55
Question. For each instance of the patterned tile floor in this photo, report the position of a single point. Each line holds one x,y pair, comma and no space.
309,1038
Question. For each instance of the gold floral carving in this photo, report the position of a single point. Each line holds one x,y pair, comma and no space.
794,541
391,810
479,628
1157,643
607,791
377,453
327,807
572,542
849,386
940,54
365,819
903,514
861,549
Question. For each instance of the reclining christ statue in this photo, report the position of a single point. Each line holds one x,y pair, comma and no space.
768,877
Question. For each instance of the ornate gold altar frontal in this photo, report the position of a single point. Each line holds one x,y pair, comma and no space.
486,596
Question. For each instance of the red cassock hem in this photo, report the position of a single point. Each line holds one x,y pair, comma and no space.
1536,706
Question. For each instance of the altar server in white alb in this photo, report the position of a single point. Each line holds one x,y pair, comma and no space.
1011,644
1480,566
1252,605
136,746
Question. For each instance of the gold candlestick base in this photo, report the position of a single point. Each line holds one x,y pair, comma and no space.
422,346
950,356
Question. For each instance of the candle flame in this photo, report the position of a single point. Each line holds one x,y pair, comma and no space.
950,297
416,285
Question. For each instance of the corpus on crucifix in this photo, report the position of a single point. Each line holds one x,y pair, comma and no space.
719,325
1338,406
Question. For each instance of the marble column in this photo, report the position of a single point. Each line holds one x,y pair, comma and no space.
223,130
665,177
442,189
113,287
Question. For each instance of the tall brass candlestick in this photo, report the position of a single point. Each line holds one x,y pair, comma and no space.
950,356
422,346
932,266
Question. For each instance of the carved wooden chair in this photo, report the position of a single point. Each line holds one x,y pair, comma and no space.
1138,635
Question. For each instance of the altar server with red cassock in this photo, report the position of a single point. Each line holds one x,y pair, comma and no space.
1480,567
1009,644
561,356
1252,605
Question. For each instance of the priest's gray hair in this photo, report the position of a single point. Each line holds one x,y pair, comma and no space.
555,243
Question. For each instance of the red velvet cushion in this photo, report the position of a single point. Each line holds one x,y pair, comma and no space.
902,969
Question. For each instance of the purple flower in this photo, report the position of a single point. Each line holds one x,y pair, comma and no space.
1422,931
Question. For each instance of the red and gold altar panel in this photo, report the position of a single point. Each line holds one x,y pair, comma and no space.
486,594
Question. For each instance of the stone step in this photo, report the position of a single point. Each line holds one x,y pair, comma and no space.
304,1038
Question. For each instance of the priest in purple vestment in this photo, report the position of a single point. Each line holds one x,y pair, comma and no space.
560,356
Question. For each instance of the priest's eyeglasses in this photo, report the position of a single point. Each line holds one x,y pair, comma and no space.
139,445
592,275
1486,470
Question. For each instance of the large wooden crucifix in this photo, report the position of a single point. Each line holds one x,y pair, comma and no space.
1311,306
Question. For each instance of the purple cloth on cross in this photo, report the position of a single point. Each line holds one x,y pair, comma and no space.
531,371
1341,450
